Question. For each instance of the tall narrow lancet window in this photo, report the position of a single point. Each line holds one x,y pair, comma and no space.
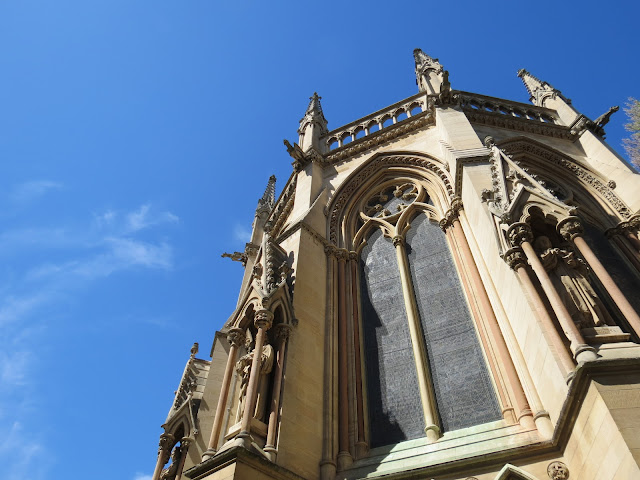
464,394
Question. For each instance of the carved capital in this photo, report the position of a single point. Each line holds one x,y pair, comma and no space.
456,205
235,337
185,442
263,319
398,240
515,258
353,256
558,471
518,233
444,224
342,254
570,228
283,331
167,441
330,250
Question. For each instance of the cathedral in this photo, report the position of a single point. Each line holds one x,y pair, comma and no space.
447,288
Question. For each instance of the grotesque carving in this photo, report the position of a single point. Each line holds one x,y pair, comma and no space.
558,471
570,277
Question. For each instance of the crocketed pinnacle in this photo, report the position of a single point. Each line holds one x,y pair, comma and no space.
538,89
314,114
269,197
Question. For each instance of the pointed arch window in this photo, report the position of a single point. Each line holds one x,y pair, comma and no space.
421,349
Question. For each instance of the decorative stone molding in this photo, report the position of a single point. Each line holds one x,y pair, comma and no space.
398,240
630,226
558,471
235,337
518,233
529,147
263,319
570,228
515,258
352,184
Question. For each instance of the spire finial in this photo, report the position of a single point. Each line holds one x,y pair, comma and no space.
538,90
313,125
268,200
428,72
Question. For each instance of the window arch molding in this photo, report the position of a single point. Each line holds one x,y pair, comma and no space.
588,187
343,208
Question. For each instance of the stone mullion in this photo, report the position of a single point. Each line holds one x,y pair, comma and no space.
351,368
571,230
344,455
282,334
520,235
505,364
262,321
167,441
361,444
517,260
425,384
235,337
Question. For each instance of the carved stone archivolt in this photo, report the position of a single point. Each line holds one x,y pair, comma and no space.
584,176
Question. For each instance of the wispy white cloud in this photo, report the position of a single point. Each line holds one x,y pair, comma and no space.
143,218
23,453
141,476
241,234
28,191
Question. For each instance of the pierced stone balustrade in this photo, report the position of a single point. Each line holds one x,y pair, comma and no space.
373,123
484,104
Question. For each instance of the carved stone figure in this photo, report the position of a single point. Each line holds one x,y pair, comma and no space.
569,275
171,471
243,367
557,471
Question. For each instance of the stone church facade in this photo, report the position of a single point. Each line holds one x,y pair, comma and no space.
447,288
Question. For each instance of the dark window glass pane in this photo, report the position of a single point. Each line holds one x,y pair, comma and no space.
463,389
395,412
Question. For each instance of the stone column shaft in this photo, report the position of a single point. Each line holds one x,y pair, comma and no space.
361,443
548,328
523,414
235,338
579,348
610,286
344,456
184,447
427,396
270,445
166,444
262,322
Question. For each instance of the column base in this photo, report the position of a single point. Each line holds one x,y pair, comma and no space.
543,423
362,448
208,454
585,353
432,432
345,460
271,452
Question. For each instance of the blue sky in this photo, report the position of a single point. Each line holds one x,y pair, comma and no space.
135,140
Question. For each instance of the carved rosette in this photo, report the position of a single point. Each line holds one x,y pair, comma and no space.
515,258
235,337
263,319
558,471
570,228
518,233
